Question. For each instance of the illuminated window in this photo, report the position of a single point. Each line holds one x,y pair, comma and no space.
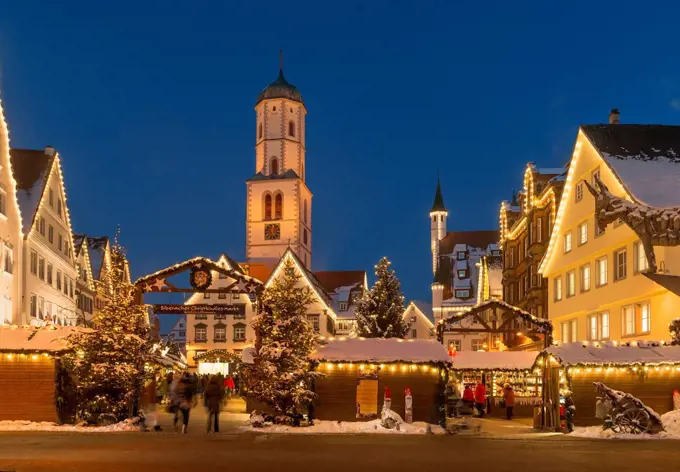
477,345
601,267
206,295
579,191
455,344
645,317
201,333
220,333
641,263
628,320
598,327
585,278
278,206
34,262
558,289
539,229
567,242
620,257
583,233
239,332
314,321
571,283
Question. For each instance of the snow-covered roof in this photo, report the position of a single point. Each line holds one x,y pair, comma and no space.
31,168
381,350
550,170
462,283
29,338
460,247
425,308
461,265
505,360
610,353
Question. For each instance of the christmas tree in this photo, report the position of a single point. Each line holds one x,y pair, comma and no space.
379,312
108,360
280,376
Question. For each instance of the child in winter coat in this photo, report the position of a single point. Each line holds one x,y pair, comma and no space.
509,400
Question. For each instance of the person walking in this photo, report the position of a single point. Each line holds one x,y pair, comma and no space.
231,387
187,398
174,399
213,395
509,400
480,398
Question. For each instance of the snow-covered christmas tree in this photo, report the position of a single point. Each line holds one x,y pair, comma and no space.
281,375
379,312
108,360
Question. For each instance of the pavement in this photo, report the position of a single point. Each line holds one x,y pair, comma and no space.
501,446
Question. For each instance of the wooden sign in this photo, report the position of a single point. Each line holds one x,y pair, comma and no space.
176,309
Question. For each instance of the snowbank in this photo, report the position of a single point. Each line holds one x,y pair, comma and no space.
670,421
347,427
123,426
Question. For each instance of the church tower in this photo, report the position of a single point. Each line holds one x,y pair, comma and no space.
438,215
279,204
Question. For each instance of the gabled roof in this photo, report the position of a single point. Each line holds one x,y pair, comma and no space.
78,240
330,280
98,247
31,169
478,239
423,308
646,158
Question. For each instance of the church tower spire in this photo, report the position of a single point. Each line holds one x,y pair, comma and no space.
279,203
438,216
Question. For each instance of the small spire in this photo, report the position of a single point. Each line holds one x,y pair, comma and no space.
280,61
438,204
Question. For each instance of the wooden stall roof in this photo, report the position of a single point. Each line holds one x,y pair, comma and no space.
505,360
611,353
379,350
15,338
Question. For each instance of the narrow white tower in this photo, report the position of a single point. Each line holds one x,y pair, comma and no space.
438,215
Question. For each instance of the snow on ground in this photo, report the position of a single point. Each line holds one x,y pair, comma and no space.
670,421
347,427
123,426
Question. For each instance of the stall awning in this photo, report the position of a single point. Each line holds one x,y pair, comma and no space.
505,360
35,339
380,350
609,353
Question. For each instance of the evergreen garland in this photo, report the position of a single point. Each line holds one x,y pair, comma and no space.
379,313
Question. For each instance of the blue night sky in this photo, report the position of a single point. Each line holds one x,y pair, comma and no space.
151,107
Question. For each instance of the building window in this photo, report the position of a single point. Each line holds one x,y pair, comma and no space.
291,128
583,233
41,268
601,266
305,211
585,278
239,332
220,333
278,206
620,264
259,131
34,305
343,306
206,295
41,308
510,257
455,344
598,327
414,333
579,191
9,259
267,207
571,283
567,242
222,295
274,168
558,289
201,333
3,203
51,198
41,226
569,331
59,205
461,255
628,320
641,263
539,229
49,273
313,320
60,242
462,273
477,344
34,262
304,237
526,247
50,233
58,279
462,294
598,232
645,317
67,253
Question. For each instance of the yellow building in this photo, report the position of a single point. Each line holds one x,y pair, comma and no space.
596,281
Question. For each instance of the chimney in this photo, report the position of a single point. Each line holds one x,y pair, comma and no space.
50,151
614,117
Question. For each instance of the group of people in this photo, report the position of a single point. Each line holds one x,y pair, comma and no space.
476,400
181,392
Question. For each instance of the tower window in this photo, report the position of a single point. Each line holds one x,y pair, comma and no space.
259,131
434,219
305,211
268,207
291,128
275,166
273,108
304,236
441,217
278,207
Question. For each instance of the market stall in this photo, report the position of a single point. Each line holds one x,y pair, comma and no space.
648,370
495,370
358,370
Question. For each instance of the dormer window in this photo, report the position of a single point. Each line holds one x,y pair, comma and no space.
462,274
460,255
462,293
496,252
343,306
